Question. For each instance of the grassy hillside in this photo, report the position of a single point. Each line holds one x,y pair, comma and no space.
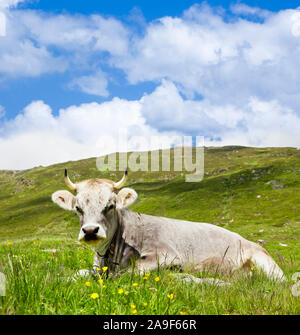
252,191
244,189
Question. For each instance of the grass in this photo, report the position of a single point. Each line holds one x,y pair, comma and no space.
39,283
252,191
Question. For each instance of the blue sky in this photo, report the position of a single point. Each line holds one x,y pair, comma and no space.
151,9
71,72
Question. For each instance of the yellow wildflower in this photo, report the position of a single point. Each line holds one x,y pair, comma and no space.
8,243
171,296
120,291
88,284
134,311
133,306
145,304
100,281
182,313
145,278
147,274
135,284
105,268
94,295
156,279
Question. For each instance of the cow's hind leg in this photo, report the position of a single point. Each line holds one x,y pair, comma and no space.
190,279
150,263
265,262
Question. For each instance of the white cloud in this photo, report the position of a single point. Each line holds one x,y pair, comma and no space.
256,123
86,34
243,9
10,3
95,84
21,55
166,109
37,137
36,43
265,123
296,23
26,59
247,73
202,51
2,24
225,61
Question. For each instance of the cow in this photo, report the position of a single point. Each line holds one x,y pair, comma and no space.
120,236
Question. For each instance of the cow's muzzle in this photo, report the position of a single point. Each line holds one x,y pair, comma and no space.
91,233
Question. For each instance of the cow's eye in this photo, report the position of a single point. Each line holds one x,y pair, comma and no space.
108,208
79,210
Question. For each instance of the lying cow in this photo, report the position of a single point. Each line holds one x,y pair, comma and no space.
119,235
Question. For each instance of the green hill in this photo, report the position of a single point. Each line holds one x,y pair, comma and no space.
252,191
244,189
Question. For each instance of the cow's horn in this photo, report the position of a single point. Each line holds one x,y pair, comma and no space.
122,182
68,181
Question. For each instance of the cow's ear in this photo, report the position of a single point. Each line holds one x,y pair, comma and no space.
126,197
64,199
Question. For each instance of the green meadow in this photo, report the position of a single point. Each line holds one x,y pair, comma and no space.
252,191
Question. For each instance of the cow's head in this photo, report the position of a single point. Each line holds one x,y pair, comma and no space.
96,202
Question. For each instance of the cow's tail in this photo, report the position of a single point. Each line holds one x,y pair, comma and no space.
265,262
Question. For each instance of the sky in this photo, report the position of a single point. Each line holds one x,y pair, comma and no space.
76,74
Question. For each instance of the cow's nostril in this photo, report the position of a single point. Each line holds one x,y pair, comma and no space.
90,230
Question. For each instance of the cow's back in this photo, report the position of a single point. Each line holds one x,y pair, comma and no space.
193,242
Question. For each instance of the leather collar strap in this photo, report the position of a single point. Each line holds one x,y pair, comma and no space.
113,255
